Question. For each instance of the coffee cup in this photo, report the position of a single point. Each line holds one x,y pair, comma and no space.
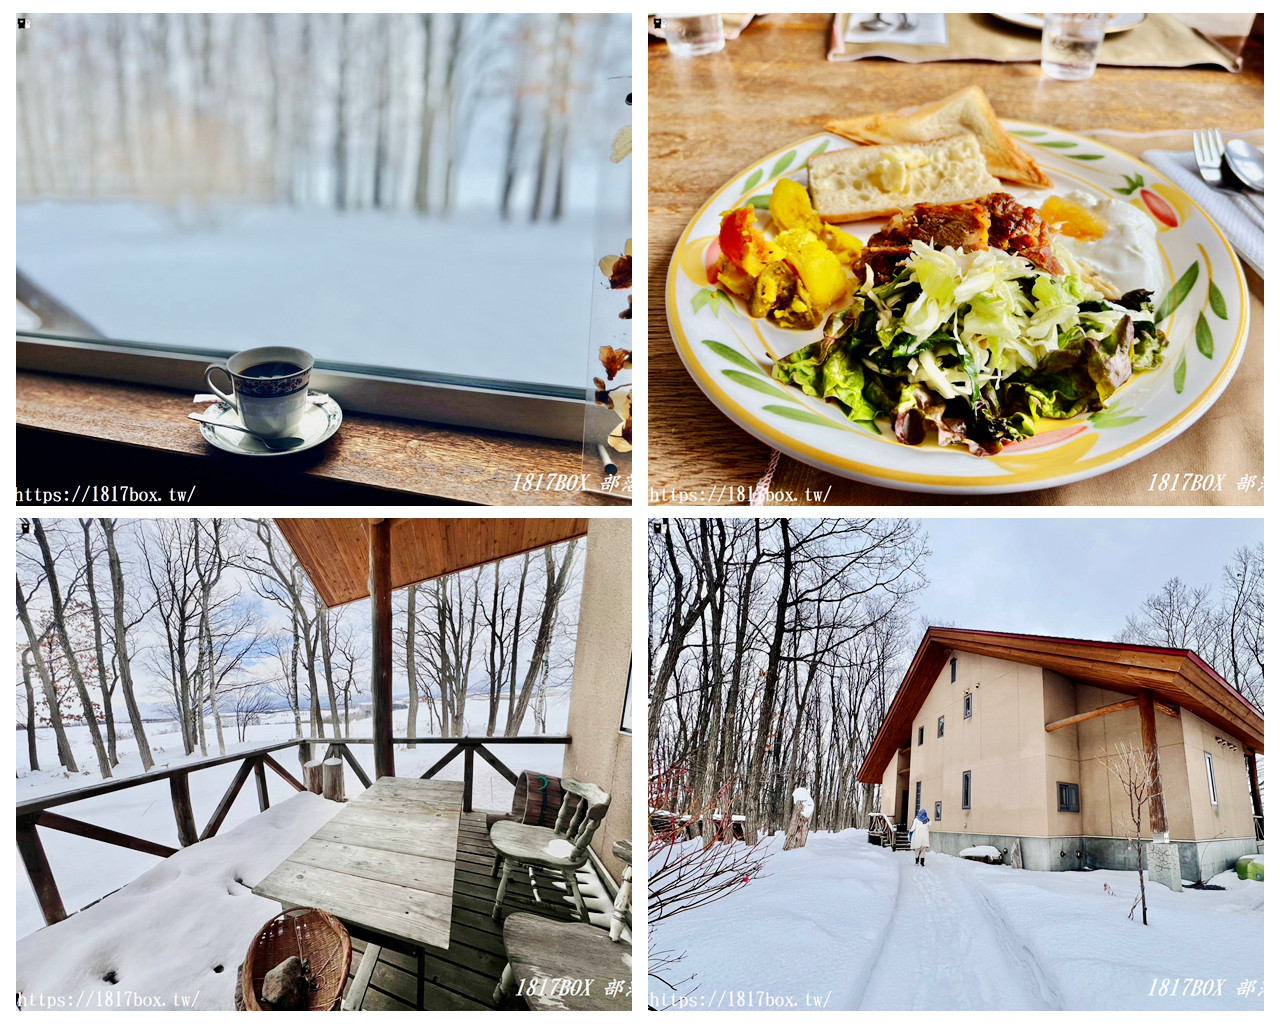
268,388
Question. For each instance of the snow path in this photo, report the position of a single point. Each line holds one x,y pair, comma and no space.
949,947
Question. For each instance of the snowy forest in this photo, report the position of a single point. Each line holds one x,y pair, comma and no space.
777,645
127,629
344,111
218,181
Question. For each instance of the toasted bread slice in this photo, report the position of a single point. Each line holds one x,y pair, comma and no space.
874,181
968,110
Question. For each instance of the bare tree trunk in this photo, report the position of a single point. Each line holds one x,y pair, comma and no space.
556,580
411,667
65,756
64,638
340,131
33,757
422,183
108,715
122,645
326,654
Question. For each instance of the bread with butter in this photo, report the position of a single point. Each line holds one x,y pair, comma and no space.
968,110
874,181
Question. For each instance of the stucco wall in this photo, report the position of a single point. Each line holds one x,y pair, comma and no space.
1002,745
1232,818
600,752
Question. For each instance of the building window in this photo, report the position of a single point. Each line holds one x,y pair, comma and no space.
953,670
920,737
937,811
941,721
918,797
965,789
968,705
1069,797
1213,786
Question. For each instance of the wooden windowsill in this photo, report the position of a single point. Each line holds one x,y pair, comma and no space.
368,457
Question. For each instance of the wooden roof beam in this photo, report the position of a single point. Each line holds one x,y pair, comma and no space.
1106,709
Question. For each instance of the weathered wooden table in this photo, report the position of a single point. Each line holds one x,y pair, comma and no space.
384,864
711,116
555,965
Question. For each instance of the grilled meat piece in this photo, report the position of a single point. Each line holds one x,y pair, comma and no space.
962,225
1020,230
883,260
994,221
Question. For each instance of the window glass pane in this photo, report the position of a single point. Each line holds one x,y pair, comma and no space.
410,191
940,723
937,811
1213,788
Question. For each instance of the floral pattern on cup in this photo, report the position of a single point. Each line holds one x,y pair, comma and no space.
271,387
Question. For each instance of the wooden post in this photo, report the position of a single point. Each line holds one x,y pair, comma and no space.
180,792
380,683
39,872
1255,793
260,776
1147,711
314,771
332,780
468,776
304,753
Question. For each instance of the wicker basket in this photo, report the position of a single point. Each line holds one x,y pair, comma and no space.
309,934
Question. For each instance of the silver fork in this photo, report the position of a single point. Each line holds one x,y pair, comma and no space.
1209,150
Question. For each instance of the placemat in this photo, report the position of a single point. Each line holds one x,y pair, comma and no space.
1161,41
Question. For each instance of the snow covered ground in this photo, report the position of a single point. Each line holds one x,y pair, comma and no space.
845,924
86,870
175,936
470,294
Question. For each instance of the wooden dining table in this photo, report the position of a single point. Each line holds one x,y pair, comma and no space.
383,865
711,116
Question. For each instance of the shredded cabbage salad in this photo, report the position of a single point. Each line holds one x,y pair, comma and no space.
976,345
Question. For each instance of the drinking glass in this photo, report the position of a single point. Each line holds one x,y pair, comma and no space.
692,35
1070,44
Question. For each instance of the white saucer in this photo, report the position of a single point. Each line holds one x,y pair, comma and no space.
1118,22
319,423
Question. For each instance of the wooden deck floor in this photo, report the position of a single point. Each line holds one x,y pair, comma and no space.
463,976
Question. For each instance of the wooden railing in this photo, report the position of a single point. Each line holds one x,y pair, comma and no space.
881,825
37,811
467,746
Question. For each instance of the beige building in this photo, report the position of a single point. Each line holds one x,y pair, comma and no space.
1007,741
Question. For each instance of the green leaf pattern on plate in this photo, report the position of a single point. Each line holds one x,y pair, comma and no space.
713,297
1204,337
783,163
734,356
804,416
756,383
1216,302
754,180
1112,418
1181,289
1180,373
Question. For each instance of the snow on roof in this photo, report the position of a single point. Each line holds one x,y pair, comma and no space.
181,928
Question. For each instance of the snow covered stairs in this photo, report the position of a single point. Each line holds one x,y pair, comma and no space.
901,841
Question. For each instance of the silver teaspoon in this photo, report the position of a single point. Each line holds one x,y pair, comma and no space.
276,444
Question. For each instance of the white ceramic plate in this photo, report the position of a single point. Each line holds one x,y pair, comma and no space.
1118,23
729,354
319,423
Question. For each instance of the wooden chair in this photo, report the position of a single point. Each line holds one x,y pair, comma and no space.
531,845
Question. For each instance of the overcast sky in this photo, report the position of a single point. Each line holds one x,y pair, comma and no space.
1067,577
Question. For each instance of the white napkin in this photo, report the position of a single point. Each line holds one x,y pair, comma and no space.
1240,222
929,30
